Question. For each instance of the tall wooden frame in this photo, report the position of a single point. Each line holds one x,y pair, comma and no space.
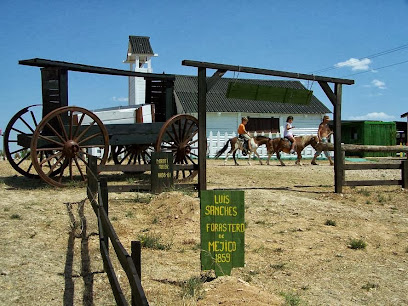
204,85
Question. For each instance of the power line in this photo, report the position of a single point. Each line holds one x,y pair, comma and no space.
395,64
385,52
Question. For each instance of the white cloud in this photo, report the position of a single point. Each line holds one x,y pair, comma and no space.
355,64
379,84
120,99
380,116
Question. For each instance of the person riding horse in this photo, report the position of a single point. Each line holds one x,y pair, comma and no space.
244,135
287,133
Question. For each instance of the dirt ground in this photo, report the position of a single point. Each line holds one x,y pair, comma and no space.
298,241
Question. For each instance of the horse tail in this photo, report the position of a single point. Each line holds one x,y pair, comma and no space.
220,152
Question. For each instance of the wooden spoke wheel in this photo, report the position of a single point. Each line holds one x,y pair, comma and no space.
62,142
22,124
179,135
132,154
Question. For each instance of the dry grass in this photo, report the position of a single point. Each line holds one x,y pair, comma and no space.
49,255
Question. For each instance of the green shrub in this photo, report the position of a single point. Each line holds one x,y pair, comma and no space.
357,244
330,223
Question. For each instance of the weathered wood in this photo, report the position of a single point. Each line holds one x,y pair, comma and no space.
39,62
113,280
372,183
103,202
214,79
136,251
373,148
328,91
141,168
92,178
404,173
129,188
371,166
338,157
252,70
202,128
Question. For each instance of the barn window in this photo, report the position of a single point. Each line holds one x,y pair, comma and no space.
263,125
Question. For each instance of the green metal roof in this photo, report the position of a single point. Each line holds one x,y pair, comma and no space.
186,89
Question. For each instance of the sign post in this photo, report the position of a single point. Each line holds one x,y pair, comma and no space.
162,171
222,230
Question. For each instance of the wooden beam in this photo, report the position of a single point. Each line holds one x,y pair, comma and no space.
338,157
39,62
214,79
328,91
371,166
202,128
373,183
372,148
252,70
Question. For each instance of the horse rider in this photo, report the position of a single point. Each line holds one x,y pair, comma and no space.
244,135
323,134
287,133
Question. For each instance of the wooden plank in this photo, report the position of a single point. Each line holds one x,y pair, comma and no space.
138,295
371,166
202,128
372,183
338,157
40,62
252,70
129,188
373,148
214,79
124,168
116,289
328,91
140,168
404,174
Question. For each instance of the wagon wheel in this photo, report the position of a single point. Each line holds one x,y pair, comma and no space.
61,141
178,136
132,154
23,123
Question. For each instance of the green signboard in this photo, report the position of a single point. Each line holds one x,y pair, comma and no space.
222,230
162,171
239,90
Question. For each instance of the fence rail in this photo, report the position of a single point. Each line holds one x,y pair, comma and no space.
403,166
97,191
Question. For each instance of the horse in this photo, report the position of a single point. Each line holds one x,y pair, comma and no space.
278,145
237,144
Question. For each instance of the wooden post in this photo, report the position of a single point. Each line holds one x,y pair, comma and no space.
404,174
338,184
202,127
136,251
103,187
92,176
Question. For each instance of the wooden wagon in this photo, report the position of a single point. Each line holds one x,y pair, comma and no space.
56,148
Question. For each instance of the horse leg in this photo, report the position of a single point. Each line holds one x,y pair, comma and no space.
260,161
299,157
235,160
279,158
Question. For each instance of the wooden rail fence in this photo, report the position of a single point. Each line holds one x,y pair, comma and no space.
403,166
97,191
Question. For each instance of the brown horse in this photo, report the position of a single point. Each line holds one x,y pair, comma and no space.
237,144
278,145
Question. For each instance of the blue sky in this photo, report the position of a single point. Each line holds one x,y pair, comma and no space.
338,38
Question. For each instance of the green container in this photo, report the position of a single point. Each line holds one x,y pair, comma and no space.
369,133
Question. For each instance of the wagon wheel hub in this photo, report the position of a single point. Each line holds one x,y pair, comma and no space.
182,151
71,148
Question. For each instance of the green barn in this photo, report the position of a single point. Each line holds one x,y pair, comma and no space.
369,133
